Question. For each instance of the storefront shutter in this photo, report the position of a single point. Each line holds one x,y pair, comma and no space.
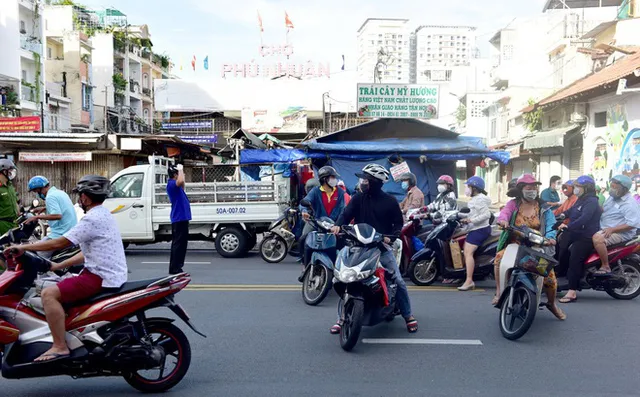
576,165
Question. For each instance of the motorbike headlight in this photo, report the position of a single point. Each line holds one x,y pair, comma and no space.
347,275
536,238
364,275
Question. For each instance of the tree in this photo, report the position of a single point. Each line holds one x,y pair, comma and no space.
533,119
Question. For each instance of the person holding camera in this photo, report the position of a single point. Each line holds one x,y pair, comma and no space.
180,217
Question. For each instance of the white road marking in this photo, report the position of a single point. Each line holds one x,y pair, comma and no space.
411,341
166,263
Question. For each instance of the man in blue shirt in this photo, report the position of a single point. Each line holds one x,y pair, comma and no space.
180,217
550,195
59,211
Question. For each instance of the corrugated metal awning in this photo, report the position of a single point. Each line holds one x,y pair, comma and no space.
549,139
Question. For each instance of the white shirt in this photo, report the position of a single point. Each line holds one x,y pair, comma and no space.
99,239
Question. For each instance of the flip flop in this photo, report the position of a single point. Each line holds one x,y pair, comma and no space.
600,272
335,329
54,357
560,315
412,325
568,300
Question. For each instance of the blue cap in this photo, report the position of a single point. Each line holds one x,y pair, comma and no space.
623,180
585,179
476,181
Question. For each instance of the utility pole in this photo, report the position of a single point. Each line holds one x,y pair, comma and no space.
106,99
324,114
42,115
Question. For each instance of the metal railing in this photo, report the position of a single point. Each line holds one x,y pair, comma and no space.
30,43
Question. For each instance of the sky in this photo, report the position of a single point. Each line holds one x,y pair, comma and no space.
228,32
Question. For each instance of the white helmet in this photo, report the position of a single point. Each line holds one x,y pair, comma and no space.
376,171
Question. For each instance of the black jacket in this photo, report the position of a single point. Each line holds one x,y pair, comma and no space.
376,208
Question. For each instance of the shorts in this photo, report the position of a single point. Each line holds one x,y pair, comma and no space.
81,287
615,238
478,236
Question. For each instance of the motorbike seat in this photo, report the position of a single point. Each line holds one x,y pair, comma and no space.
129,286
619,245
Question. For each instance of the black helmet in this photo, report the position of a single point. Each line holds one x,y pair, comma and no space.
326,172
409,177
172,170
95,186
311,183
512,190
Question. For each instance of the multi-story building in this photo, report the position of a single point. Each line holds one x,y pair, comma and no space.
68,60
383,50
22,68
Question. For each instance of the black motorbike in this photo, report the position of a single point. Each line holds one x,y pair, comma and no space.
435,259
280,237
367,289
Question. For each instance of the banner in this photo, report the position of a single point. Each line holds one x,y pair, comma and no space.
292,119
188,125
398,170
20,124
213,138
55,157
398,101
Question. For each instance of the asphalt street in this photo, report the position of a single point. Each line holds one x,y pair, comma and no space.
264,341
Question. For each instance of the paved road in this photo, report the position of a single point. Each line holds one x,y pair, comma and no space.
264,341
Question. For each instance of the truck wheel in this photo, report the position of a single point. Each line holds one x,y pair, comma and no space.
232,242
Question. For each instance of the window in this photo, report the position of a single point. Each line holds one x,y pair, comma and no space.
24,75
507,52
49,49
23,27
86,97
127,186
53,121
600,119
494,125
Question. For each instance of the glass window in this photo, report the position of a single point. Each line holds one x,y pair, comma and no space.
127,186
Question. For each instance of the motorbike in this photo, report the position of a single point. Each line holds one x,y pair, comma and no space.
436,260
108,334
522,271
279,238
412,228
624,280
319,255
367,289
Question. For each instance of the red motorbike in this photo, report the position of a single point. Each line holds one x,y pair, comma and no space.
624,280
413,228
108,335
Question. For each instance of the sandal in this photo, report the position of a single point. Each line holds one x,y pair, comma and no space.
568,300
495,300
335,330
412,325
560,315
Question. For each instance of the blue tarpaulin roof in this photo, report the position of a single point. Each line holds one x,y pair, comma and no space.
259,156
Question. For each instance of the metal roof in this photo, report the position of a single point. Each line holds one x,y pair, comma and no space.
573,4
382,19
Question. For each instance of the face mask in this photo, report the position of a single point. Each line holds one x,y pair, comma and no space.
529,195
333,182
12,174
578,191
615,193
467,191
442,188
364,188
405,186
42,196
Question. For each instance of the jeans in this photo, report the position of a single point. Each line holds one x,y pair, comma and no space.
388,261
308,228
179,242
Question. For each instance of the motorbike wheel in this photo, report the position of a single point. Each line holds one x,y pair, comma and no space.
630,270
521,313
176,345
350,331
273,249
424,272
316,284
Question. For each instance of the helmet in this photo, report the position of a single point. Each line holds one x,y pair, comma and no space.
623,180
445,179
568,183
172,170
326,172
375,171
409,177
585,180
6,164
512,190
528,179
512,184
94,186
475,181
311,183
37,182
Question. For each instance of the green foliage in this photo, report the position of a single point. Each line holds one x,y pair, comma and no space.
461,114
533,119
119,83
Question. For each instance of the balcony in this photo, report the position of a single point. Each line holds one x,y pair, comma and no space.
31,44
28,93
54,88
28,4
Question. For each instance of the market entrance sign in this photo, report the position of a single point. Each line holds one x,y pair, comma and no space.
414,101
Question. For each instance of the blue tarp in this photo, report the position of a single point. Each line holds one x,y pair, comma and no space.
258,156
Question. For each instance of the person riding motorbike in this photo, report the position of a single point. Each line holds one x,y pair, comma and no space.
620,219
343,187
102,252
479,228
60,213
414,198
576,244
446,199
381,211
568,190
327,200
9,209
527,209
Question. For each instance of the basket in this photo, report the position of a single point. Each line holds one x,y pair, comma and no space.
533,261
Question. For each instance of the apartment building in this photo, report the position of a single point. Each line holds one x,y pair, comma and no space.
384,51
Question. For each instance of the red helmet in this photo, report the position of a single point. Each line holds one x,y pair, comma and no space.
445,179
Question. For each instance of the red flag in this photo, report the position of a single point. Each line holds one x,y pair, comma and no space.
193,63
260,22
287,21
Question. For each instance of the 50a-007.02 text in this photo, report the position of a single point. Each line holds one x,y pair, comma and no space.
231,210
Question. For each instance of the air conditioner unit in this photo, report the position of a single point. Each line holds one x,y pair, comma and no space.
579,114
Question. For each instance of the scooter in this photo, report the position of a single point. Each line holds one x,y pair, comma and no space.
108,334
319,255
522,271
436,260
367,290
413,228
624,280
279,238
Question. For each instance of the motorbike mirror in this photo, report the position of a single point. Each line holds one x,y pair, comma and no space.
561,217
465,210
35,203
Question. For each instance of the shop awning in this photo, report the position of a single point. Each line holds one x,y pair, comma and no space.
549,139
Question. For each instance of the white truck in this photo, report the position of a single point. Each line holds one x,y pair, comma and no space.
230,213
